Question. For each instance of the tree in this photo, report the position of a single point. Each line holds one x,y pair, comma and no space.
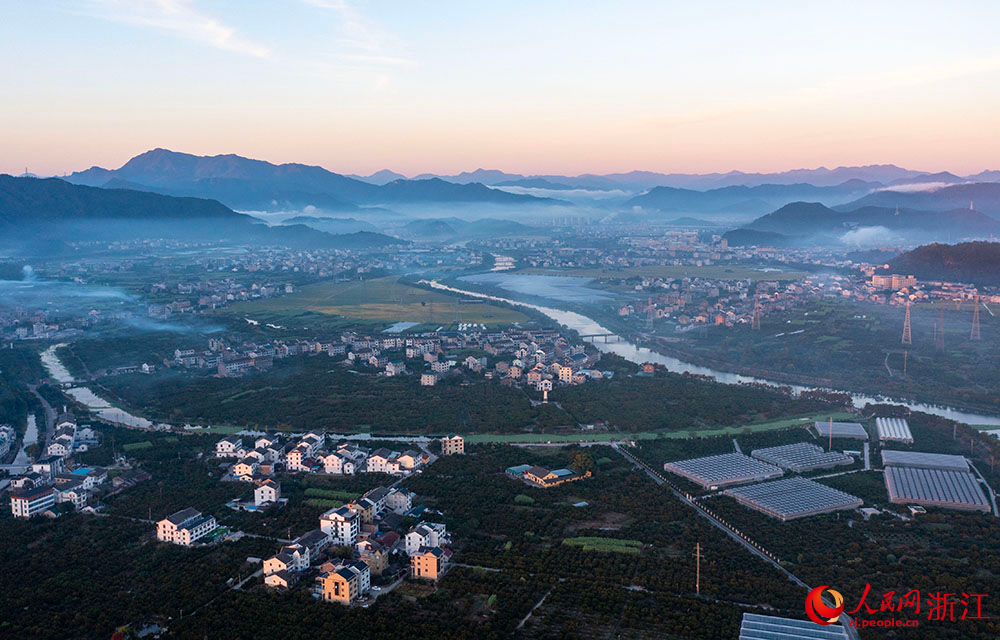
582,462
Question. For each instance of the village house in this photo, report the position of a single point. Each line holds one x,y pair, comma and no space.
383,461
346,584
399,500
245,468
269,491
423,535
542,477
184,527
452,444
428,379
27,503
230,447
374,554
426,563
341,524
280,579
336,463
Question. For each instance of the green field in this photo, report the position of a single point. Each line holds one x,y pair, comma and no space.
380,299
608,545
536,438
717,272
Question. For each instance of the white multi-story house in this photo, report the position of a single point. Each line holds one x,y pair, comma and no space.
341,524
74,494
230,447
421,536
378,498
337,463
60,447
294,459
269,491
383,461
409,460
395,368
399,500
245,468
28,503
184,527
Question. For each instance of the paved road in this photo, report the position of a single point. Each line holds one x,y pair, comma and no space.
50,417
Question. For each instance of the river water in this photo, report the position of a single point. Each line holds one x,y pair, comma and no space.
634,353
85,396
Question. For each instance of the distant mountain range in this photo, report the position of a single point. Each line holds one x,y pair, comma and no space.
248,184
974,262
802,223
746,200
984,197
882,175
52,210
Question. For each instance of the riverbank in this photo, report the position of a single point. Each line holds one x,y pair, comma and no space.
85,395
584,325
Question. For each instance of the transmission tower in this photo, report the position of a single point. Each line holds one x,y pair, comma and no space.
974,334
939,335
755,322
907,335
649,315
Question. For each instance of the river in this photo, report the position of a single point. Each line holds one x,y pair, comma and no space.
634,353
85,396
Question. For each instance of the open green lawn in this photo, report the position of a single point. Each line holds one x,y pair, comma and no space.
379,299
718,272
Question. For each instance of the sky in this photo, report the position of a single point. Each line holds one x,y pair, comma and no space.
526,87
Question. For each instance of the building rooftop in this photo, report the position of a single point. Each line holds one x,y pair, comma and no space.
794,497
801,456
722,470
183,516
921,460
935,488
758,627
896,429
853,430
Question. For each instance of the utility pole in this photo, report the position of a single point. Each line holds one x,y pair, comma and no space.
755,322
830,447
697,571
905,354
974,334
907,335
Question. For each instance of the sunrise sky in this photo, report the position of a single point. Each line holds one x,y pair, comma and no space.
527,87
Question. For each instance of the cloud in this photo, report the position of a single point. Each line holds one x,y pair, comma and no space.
179,18
865,236
918,187
366,41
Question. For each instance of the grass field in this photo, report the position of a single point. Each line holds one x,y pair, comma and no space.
380,299
535,438
607,545
717,272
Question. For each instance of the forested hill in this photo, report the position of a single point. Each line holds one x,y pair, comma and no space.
52,210
975,262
